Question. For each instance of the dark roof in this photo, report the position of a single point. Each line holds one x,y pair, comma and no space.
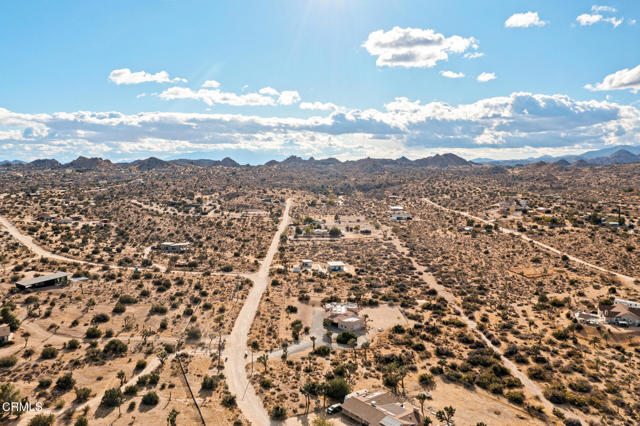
43,278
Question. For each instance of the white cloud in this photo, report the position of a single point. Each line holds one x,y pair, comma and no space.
588,19
520,122
596,8
473,55
451,74
524,20
320,106
619,80
266,96
486,76
211,84
414,47
288,97
268,91
614,21
125,76
215,96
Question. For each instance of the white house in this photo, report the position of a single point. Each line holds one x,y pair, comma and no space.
396,208
335,266
174,247
400,217
306,263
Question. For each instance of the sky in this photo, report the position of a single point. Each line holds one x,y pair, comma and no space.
261,80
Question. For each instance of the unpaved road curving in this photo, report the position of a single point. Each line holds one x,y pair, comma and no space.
236,343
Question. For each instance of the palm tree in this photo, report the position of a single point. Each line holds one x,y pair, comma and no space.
421,397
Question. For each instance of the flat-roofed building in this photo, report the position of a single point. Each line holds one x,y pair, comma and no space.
335,266
174,247
56,279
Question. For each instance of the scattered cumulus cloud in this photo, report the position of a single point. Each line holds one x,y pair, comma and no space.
524,20
211,84
211,94
473,55
270,91
588,19
125,76
320,106
414,47
609,9
619,80
451,74
486,76
516,123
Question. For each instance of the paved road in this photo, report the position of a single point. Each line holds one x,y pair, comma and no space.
236,343
626,280
528,384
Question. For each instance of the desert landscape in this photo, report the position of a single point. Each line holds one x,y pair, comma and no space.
242,301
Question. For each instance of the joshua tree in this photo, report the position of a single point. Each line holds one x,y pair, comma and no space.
122,377
264,358
446,415
285,351
421,397
173,415
365,346
313,342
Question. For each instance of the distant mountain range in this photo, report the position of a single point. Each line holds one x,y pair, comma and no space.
152,163
619,154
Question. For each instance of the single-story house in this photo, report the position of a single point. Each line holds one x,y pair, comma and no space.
365,231
400,218
588,318
380,408
396,208
306,263
335,266
57,279
5,333
174,247
620,313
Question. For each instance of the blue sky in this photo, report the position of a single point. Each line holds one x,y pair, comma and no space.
344,78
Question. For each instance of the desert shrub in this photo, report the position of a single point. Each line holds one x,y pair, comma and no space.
115,347
100,318
8,361
278,413
322,351
65,382
150,398
344,337
337,388
49,352
210,382
112,397
93,333
517,397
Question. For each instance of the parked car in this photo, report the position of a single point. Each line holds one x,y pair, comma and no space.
335,408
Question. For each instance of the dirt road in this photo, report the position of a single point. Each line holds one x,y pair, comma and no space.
528,384
624,279
236,343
